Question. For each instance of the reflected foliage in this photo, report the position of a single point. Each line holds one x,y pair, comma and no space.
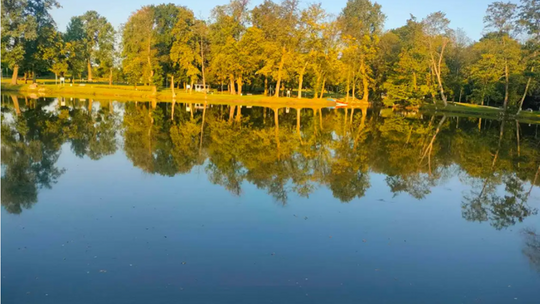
32,139
298,152
288,151
531,247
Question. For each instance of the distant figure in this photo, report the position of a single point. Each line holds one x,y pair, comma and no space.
271,90
288,92
62,80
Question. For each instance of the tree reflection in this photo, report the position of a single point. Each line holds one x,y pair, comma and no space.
531,247
32,137
294,151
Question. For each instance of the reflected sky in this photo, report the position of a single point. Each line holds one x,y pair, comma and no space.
135,203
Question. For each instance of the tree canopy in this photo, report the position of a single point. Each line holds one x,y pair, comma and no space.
277,47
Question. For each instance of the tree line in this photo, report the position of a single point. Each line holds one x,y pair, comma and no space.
275,48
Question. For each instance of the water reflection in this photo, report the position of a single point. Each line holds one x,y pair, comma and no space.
531,247
279,149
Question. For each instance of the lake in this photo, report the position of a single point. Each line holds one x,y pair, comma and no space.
147,202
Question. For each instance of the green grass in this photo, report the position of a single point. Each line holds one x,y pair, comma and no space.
129,93
467,109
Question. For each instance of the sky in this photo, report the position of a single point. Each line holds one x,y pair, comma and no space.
465,14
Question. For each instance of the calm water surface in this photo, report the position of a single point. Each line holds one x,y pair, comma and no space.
107,202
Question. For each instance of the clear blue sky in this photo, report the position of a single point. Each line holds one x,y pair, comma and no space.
466,14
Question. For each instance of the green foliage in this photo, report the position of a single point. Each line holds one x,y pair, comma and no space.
25,27
281,45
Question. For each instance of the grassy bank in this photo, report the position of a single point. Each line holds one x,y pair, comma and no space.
467,109
129,93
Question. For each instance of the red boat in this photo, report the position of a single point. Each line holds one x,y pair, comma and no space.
339,103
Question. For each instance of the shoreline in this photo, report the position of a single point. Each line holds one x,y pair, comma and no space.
125,93
161,96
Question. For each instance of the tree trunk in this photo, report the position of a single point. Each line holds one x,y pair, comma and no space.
89,66
202,128
238,113
149,49
320,118
524,93
506,83
276,121
16,104
110,76
15,74
265,86
231,86
172,110
231,113
322,88
33,76
429,148
353,89
55,78
460,93
301,80
239,83
533,182
298,121
191,86
483,97
172,87
25,79
518,142
437,69
316,87
203,75
365,83
348,84
281,63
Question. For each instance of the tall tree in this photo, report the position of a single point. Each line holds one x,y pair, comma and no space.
410,78
22,25
361,25
139,47
226,30
501,18
99,37
529,20
184,48
437,39
166,17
